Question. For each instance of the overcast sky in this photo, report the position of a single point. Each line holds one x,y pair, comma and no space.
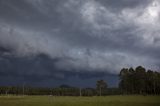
62,41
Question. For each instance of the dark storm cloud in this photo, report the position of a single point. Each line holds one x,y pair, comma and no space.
41,71
121,4
83,37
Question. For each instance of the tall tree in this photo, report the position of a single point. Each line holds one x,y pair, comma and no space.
101,85
124,80
140,79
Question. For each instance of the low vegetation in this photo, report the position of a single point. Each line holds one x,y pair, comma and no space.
79,101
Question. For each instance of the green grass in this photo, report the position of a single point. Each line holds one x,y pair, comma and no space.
79,101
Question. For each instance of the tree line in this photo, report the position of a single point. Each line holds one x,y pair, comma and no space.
139,81
63,90
132,81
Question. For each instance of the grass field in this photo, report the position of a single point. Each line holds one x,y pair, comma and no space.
79,101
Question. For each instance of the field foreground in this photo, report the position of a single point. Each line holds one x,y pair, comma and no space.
79,101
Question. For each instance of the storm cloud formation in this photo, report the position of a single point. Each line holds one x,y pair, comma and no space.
62,38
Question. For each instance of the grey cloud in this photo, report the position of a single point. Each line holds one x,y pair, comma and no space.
85,36
41,71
